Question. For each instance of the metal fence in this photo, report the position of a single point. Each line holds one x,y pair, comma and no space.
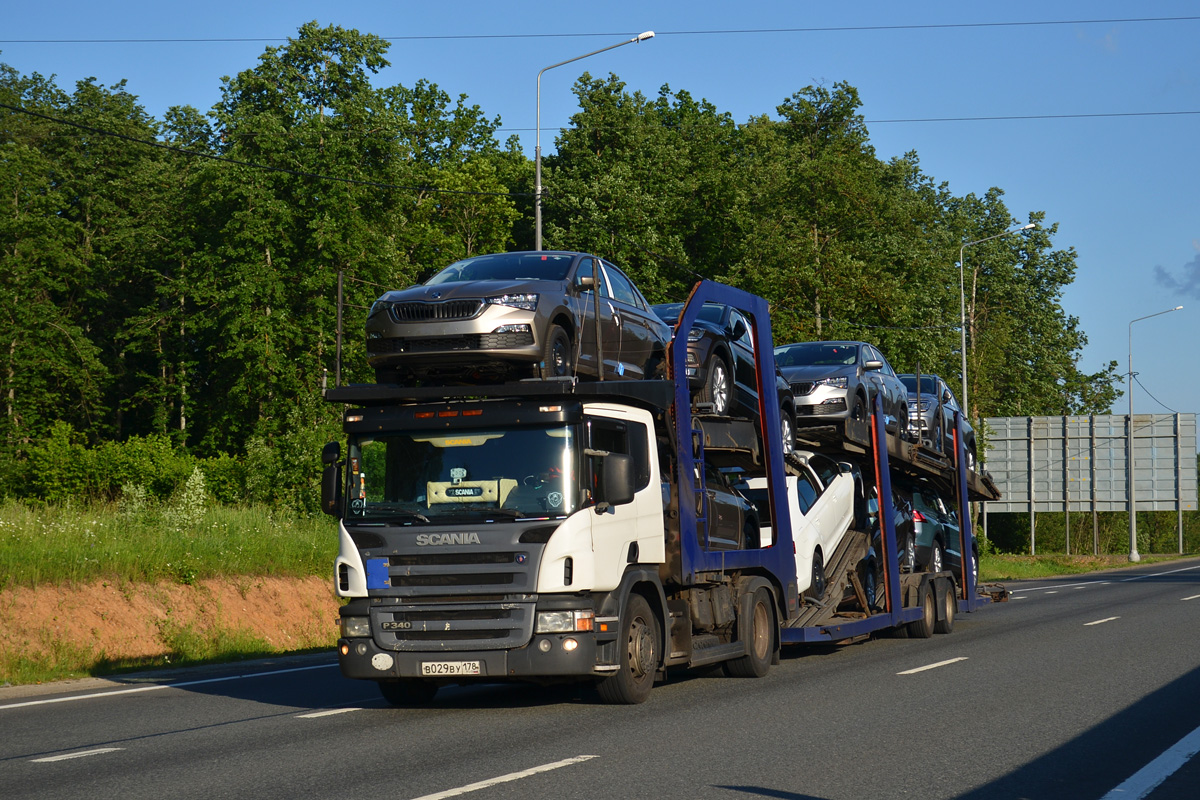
1080,463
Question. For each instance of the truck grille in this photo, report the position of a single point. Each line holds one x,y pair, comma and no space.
468,626
436,312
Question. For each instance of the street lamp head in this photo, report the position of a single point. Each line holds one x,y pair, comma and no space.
1027,227
644,35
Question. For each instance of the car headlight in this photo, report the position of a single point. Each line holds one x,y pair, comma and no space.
565,621
837,383
695,335
378,307
526,302
355,627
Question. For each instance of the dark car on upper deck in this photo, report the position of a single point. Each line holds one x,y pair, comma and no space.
720,365
513,315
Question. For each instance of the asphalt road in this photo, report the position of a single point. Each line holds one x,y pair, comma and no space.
1066,691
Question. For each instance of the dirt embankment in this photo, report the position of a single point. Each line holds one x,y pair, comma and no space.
120,623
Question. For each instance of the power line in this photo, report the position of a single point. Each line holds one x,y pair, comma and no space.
713,32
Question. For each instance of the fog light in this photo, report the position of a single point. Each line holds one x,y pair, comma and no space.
513,329
544,645
361,648
569,645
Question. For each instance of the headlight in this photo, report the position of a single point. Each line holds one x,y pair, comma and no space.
527,302
356,627
379,306
837,383
695,335
565,621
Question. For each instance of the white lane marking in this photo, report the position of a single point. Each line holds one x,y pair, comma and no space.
1146,779
329,712
156,686
512,776
1056,587
932,666
1193,597
1158,574
1100,621
83,754
1053,592
1018,598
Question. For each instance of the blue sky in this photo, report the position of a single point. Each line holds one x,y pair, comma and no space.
1117,168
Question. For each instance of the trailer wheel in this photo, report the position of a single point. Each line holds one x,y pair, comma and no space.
556,359
949,607
759,640
408,692
923,627
639,658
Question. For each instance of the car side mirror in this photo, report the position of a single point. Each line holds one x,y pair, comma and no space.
739,330
872,364
585,283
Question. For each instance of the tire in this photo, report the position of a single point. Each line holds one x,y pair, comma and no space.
816,589
923,627
718,385
858,409
908,561
787,432
870,584
408,692
557,356
632,683
937,557
974,567
760,640
949,608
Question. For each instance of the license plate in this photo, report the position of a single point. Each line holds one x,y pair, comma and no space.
440,668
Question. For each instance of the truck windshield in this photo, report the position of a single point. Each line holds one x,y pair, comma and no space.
438,476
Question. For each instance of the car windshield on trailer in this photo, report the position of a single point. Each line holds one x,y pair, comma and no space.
928,384
709,312
816,354
506,267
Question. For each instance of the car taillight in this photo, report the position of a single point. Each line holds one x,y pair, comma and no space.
918,517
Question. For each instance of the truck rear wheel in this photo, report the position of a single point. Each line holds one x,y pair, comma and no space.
408,692
923,627
639,643
949,607
760,639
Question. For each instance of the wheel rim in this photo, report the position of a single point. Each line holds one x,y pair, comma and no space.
641,648
937,557
762,633
785,426
560,357
718,382
859,411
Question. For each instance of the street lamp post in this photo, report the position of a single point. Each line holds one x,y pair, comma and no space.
537,153
1129,461
962,302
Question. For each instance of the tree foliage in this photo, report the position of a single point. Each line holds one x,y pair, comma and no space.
188,297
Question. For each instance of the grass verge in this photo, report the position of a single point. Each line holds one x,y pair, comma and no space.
998,567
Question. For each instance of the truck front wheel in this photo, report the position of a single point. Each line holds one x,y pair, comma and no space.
639,656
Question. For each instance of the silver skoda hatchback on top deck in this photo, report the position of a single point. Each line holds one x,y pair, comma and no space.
839,380
516,315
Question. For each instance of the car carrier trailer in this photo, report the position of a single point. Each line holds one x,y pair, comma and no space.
462,560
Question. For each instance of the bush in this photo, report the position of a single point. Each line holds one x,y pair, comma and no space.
59,468
226,477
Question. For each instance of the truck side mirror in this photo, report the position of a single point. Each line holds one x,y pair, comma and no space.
331,479
617,480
